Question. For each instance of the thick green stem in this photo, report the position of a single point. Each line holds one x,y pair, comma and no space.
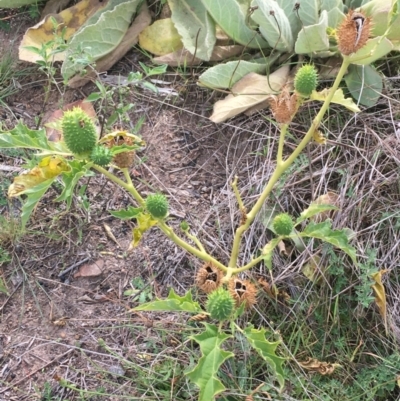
168,231
282,166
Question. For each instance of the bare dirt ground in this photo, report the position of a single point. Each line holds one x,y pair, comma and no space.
57,325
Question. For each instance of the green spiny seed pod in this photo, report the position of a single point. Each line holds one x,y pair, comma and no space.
79,131
283,224
101,155
220,304
157,206
306,80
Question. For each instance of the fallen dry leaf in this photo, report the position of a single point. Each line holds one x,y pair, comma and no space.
330,198
90,269
248,92
380,295
323,368
313,269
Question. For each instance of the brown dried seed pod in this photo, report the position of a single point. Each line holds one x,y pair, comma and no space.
243,291
353,32
283,106
199,317
208,278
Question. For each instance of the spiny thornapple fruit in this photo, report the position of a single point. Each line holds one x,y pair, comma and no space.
220,304
306,80
283,224
157,205
101,155
79,132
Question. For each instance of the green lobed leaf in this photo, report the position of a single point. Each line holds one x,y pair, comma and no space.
204,375
312,210
34,195
337,238
338,98
99,38
313,38
174,303
127,214
23,137
231,17
364,83
374,49
274,25
195,26
70,179
226,75
266,349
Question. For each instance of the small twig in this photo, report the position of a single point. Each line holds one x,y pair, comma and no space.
72,267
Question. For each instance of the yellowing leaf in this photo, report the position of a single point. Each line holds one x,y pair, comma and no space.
313,269
48,168
160,38
72,18
338,98
145,222
248,92
380,295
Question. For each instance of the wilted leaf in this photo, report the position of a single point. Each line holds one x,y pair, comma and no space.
380,295
249,91
174,303
160,38
273,24
313,269
313,38
232,18
48,168
90,269
374,49
320,208
204,375
144,223
364,83
267,350
323,368
338,98
183,57
100,36
195,26
72,18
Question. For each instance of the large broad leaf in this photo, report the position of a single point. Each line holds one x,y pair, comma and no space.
226,75
374,49
69,20
337,238
174,303
289,8
274,25
338,98
313,38
195,26
331,4
335,17
364,83
248,92
230,16
98,39
204,375
308,11
23,137
267,349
